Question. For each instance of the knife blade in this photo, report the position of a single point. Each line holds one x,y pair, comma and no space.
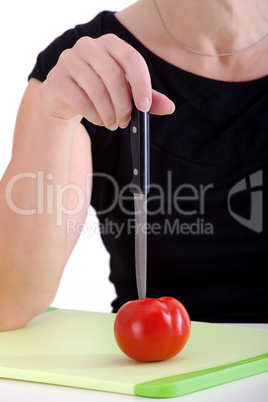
139,186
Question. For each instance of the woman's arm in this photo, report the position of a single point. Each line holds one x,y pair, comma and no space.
34,243
96,79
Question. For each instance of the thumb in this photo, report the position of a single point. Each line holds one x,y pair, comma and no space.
161,104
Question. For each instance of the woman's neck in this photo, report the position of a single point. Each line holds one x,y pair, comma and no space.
212,26
215,26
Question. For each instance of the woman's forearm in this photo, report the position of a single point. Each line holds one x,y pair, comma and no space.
33,198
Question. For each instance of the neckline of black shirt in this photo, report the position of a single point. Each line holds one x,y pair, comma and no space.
187,74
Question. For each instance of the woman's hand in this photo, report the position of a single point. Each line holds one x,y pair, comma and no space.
97,79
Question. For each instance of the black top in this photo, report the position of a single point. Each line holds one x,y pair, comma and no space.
208,203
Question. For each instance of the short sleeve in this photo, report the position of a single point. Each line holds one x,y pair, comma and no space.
48,58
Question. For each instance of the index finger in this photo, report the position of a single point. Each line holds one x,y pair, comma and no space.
135,68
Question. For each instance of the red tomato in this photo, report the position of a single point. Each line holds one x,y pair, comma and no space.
150,330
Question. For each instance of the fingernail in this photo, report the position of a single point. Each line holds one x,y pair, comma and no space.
124,123
113,127
173,108
144,105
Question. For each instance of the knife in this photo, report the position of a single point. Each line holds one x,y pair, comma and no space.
139,186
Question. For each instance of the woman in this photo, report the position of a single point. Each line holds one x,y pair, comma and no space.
206,242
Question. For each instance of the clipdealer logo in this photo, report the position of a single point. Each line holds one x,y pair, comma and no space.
185,201
255,221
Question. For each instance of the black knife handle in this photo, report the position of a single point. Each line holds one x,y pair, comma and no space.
140,149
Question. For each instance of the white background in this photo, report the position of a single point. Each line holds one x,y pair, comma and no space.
26,28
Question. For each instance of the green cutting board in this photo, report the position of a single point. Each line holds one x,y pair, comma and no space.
77,349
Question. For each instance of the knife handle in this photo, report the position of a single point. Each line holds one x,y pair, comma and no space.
140,149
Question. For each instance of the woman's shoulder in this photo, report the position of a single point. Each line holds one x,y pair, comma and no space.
103,23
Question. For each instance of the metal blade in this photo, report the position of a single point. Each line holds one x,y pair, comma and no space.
140,201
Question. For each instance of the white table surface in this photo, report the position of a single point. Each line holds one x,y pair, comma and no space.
251,389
